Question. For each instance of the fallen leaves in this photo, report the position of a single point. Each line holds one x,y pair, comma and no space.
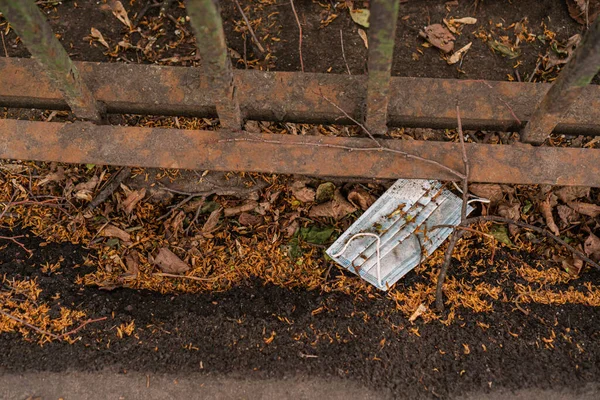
360,16
456,57
119,11
591,210
301,192
570,193
439,36
559,55
546,210
359,197
113,231
132,199
504,49
97,36
591,247
337,208
584,11
168,262
493,192
213,220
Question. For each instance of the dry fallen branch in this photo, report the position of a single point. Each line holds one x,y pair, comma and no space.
109,188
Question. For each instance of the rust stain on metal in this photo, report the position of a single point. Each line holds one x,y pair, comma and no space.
295,97
83,142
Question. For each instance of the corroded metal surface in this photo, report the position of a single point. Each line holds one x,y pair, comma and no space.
205,19
32,27
567,88
296,97
84,142
382,30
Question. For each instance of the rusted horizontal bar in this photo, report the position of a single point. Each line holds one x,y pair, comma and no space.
84,142
295,97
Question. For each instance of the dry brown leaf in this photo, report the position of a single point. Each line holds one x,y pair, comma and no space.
591,247
174,225
132,199
512,212
301,192
584,11
464,20
337,208
96,35
570,193
168,262
119,11
418,312
113,231
591,210
89,185
492,192
363,36
248,219
546,210
361,198
454,58
567,215
248,206
213,220
439,36
555,59
572,265
57,176
132,261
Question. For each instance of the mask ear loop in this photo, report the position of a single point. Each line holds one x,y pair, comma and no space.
378,255
475,199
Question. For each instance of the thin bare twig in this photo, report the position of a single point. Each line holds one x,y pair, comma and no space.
109,188
385,148
15,241
262,49
344,53
89,321
537,67
456,234
35,328
300,39
349,148
465,194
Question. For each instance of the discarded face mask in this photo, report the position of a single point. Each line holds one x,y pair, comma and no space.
396,233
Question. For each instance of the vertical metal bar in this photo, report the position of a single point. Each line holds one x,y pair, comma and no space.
206,22
566,89
382,31
31,25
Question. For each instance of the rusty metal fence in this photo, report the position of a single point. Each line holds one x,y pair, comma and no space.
51,80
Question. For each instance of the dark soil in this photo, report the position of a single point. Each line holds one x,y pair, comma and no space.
364,341
322,51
